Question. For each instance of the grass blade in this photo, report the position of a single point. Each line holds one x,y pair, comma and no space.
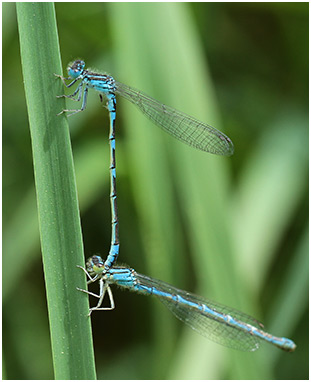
59,222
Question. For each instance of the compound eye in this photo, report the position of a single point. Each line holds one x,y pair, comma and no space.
76,68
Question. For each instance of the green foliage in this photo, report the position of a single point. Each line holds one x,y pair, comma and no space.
230,229
60,231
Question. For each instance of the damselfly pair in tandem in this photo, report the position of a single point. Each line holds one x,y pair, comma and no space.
221,324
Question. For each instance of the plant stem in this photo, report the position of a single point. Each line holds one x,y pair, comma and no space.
59,221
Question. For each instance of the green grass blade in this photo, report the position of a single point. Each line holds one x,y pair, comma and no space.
166,176
59,222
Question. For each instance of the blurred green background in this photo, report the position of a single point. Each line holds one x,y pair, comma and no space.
231,229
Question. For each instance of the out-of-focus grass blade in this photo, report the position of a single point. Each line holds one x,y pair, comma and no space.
163,169
270,188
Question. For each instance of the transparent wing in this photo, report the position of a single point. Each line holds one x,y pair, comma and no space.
207,324
178,124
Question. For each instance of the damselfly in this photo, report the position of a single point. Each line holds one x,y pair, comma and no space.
181,126
219,323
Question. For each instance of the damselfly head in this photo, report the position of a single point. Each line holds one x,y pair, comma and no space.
76,68
95,265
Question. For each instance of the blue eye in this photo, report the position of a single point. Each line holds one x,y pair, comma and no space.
76,69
